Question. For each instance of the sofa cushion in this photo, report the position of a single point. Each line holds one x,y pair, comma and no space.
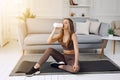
82,28
117,24
38,26
89,39
77,19
36,39
117,32
94,27
103,30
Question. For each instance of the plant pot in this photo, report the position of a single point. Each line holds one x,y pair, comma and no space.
110,35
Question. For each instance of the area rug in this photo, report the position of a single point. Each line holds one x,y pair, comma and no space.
90,63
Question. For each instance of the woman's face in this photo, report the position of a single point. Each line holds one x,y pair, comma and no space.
66,24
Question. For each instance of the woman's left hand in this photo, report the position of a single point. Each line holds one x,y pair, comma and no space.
75,67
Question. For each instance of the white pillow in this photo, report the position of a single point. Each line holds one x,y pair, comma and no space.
82,28
94,27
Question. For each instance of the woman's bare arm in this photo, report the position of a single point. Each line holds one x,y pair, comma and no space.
52,38
75,42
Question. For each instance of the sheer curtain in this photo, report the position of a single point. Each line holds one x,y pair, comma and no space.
9,10
4,23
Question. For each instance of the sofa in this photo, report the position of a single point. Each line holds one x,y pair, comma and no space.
33,34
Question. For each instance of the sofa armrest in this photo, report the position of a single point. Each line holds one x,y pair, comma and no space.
22,32
103,30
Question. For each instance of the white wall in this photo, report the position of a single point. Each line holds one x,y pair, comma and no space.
106,10
47,8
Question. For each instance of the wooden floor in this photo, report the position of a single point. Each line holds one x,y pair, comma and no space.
10,54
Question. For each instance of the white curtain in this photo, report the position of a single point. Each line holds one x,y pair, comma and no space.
9,10
4,20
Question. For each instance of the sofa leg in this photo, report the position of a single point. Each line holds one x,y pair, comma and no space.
102,48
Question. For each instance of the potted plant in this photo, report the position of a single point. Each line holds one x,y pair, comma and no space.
25,15
111,32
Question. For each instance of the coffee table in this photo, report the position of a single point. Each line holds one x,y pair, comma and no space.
114,39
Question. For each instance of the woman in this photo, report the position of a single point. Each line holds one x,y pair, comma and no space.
68,39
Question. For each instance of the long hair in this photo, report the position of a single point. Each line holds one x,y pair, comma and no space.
71,31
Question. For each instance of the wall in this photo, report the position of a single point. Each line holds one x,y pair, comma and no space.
47,8
106,10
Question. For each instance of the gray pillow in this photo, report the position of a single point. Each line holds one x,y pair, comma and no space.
103,31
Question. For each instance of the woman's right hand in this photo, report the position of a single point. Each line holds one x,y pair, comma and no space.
57,28
51,38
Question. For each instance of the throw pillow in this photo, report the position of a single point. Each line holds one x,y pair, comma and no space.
94,27
82,28
117,24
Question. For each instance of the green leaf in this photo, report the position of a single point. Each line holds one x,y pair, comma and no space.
111,31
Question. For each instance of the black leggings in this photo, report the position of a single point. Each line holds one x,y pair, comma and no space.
57,56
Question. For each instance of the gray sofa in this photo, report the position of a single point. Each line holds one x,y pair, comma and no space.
34,34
